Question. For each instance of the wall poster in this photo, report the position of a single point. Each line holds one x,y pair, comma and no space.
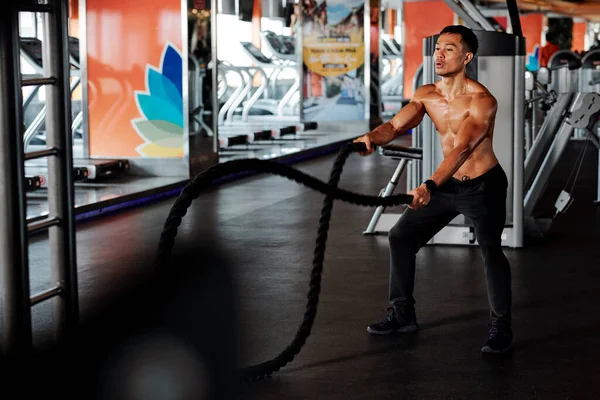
334,58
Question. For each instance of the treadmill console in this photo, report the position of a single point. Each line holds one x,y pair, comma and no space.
256,53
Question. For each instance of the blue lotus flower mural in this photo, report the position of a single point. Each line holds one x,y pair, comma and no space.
162,107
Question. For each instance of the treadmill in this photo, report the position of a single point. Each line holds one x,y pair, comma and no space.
34,137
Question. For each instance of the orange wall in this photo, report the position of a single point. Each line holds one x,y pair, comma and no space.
579,31
256,16
421,19
391,22
532,25
256,39
74,18
125,40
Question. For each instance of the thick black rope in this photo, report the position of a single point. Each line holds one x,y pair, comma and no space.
332,192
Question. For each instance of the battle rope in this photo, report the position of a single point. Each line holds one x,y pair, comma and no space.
193,189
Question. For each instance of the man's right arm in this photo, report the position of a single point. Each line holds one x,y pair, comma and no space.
407,118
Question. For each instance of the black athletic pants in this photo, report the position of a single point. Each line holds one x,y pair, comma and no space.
483,200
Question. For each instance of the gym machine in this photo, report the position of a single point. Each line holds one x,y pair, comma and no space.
589,82
260,123
281,46
265,109
543,87
573,112
283,51
564,65
404,155
564,72
235,134
266,130
537,100
239,139
271,108
570,111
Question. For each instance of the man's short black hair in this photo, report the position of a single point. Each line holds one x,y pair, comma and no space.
469,40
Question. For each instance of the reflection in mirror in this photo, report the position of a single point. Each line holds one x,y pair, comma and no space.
258,80
200,83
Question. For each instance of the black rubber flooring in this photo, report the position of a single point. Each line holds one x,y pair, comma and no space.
264,228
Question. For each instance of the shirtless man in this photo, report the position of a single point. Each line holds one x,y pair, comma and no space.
469,181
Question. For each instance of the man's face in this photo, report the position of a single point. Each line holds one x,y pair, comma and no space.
450,57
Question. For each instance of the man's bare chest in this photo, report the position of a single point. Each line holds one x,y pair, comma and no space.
448,116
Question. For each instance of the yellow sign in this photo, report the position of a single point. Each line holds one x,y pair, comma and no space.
333,56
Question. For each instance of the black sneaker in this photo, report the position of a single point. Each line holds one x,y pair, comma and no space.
498,341
392,323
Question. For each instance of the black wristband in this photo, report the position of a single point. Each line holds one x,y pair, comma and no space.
430,185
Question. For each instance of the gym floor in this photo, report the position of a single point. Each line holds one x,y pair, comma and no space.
267,226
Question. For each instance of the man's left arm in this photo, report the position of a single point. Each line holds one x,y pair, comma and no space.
471,133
